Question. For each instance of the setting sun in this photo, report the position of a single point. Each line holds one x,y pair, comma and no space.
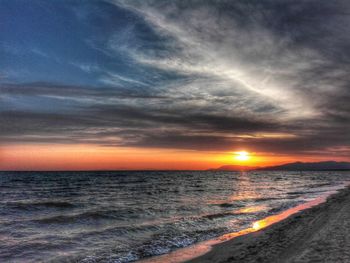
242,156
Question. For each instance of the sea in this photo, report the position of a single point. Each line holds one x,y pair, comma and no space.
125,216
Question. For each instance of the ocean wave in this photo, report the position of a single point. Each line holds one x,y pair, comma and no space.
40,205
90,215
230,205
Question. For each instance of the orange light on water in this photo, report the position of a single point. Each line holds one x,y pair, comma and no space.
259,225
251,209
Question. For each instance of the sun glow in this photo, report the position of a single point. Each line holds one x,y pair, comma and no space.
242,156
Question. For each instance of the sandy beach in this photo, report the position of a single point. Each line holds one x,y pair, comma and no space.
318,234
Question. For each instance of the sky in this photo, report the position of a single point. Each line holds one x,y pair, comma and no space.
172,84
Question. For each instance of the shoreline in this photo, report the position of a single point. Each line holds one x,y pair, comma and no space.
317,234
267,238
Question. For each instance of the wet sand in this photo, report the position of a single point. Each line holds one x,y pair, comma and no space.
317,234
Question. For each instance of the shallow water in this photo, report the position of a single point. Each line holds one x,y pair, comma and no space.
126,216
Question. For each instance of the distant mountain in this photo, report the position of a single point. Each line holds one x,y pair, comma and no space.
297,166
319,166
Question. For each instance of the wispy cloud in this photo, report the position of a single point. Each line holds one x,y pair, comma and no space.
113,78
250,60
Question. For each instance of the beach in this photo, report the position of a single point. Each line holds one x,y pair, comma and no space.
317,234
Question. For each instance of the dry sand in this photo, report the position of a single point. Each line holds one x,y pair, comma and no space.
318,234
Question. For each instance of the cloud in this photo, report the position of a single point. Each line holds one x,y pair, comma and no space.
112,78
211,43
211,75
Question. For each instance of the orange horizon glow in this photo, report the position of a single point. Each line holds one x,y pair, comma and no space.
89,157
242,156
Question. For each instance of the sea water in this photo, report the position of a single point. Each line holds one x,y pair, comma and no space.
126,216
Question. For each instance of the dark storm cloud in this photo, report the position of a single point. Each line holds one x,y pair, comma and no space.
199,75
90,114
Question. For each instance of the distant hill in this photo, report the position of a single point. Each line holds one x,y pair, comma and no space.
297,166
319,166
